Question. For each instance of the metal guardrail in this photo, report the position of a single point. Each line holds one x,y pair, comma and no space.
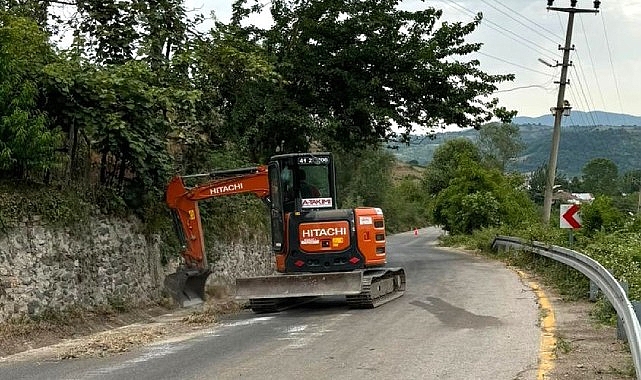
595,272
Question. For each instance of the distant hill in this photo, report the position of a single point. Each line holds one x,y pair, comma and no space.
578,145
578,118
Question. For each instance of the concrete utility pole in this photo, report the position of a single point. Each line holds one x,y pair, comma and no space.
561,105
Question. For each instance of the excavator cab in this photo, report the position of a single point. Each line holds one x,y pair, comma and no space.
299,183
307,181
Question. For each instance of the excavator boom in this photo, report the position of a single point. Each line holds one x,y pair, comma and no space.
187,285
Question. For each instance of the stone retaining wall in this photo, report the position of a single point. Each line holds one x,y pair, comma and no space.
108,263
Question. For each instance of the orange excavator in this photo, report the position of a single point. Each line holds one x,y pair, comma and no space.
319,250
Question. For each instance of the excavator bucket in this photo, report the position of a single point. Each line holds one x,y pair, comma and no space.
187,287
299,285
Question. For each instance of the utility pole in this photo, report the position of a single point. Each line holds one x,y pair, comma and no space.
561,105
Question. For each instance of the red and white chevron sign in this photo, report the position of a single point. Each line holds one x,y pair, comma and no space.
570,216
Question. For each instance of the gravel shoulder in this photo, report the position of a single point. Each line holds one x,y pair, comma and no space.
587,349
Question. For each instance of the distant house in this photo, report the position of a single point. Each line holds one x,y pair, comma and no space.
577,198
583,197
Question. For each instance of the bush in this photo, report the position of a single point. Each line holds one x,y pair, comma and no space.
478,197
601,215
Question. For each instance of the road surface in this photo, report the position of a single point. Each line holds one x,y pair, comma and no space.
462,317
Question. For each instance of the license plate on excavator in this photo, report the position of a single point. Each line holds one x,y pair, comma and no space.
299,285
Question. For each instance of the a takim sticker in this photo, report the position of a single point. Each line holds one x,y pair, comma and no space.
317,202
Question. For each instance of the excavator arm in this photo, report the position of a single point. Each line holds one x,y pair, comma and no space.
187,284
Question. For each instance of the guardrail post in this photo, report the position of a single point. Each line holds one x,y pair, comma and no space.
594,291
636,305
620,328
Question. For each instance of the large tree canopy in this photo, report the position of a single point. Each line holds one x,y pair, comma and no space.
600,176
360,68
499,144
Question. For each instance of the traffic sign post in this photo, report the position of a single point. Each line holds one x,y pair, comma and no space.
570,217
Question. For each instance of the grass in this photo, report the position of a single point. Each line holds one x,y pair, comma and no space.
562,345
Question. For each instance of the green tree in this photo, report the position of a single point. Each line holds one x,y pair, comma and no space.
27,144
538,179
631,181
445,162
601,215
499,143
243,101
34,10
601,176
364,177
361,66
406,206
479,197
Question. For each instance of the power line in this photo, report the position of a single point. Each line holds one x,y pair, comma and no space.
588,99
596,77
577,101
512,63
520,22
492,25
588,108
527,19
616,83
524,87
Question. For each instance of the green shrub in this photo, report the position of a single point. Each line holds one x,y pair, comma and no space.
601,215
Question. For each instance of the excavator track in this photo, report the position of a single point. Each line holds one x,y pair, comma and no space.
379,287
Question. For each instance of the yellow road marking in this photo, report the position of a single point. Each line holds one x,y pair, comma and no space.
548,327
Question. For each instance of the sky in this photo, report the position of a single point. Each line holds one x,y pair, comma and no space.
517,34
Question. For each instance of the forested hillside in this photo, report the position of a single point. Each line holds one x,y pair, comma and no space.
578,145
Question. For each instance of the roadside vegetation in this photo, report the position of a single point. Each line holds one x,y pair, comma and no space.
485,202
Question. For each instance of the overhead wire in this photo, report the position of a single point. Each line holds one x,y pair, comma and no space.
514,36
528,20
512,63
520,22
543,86
581,96
616,83
578,80
588,99
577,101
596,77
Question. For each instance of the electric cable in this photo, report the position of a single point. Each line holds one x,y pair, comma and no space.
512,63
530,21
588,99
520,22
596,77
518,38
616,83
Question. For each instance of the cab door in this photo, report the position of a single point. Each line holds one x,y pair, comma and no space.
276,207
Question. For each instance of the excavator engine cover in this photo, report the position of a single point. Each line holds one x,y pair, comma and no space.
187,286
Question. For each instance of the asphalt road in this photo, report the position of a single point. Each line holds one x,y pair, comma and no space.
462,317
